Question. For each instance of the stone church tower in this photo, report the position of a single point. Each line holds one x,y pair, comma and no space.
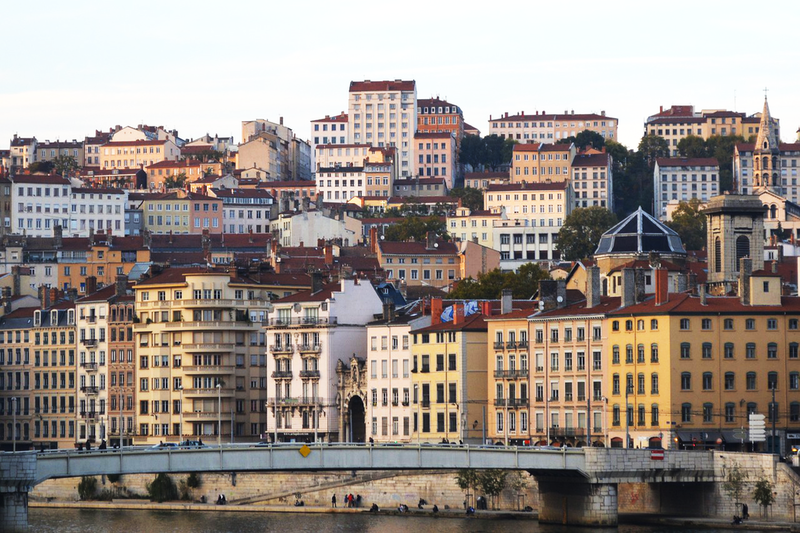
767,155
735,230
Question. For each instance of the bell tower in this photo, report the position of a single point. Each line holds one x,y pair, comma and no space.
735,230
767,155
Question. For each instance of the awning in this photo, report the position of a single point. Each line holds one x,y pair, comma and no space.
699,436
734,436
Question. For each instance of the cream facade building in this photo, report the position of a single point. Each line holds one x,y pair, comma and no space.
680,179
550,128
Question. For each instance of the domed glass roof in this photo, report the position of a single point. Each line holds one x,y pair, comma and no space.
640,233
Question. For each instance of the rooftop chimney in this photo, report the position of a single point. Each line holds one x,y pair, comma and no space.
58,234
388,310
436,311
430,241
701,290
373,239
774,268
316,282
328,254
662,286
15,274
745,271
121,284
628,288
592,287
458,313
507,302
638,283
44,297
91,285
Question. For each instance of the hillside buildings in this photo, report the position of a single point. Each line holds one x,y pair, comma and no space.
550,128
681,179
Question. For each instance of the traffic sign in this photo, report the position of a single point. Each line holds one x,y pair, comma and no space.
758,431
656,455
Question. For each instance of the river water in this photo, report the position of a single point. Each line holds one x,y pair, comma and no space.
108,521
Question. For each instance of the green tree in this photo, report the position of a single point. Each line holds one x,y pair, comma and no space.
114,478
582,230
472,151
175,181
492,482
734,482
162,489
652,147
586,138
193,481
467,480
65,164
520,483
416,228
87,488
690,224
722,147
692,146
41,167
471,198
205,156
498,151
764,494
489,286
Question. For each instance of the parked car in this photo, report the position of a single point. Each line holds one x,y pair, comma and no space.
191,444
164,446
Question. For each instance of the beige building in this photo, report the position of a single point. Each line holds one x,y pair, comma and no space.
133,154
275,148
200,357
436,155
546,204
549,128
22,153
47,151
476,226
384,113
330,130
537,162
592,179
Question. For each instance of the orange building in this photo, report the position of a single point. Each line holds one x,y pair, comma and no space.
437,116
102,256
193,169
537,162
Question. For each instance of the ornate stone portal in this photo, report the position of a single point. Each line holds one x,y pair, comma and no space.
351,398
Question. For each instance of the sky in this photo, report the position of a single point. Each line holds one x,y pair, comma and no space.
203,67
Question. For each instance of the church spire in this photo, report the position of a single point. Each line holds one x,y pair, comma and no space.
767,140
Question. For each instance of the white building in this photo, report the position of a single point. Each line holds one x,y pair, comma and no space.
308,334
96,210
245,210
338,184
330,130
345,155
384,113
521,241
39,203
592,180
680,179
308,227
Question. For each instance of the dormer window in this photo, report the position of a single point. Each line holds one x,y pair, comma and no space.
53,318
37,318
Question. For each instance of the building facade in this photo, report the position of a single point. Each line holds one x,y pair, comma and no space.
550,128
681,179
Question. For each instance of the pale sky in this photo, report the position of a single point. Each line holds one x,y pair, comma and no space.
197,66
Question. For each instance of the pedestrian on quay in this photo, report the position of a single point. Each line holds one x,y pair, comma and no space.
333,501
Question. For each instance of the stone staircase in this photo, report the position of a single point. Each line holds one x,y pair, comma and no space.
363,477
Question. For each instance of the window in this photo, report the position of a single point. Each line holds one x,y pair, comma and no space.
615,355
750,350
728,350
751,381
772,351
629,354
793,350
730,412
686,381
706,324
794,381
654,324
685,324
654,414
708,380
772,380
685,350
686,412
708,412
654,353
728,324
706,350
730,381
750,324
654,383
772,324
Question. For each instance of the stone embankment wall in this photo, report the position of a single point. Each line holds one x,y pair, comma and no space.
386,488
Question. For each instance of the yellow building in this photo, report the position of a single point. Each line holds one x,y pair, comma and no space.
547,204
201,357
537,162
449,376
690,369
102,256
473,226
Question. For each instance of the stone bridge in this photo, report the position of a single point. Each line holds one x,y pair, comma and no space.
577,486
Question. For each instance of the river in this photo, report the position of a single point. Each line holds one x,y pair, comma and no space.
107,521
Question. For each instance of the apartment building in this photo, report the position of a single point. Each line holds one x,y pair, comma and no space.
16,385
245,210
192,169
680,121
339,184
54,371
96,209
182,212
434,262
23,153
680,179
330,130
379,177
436,155
544,204
593,180
137,154
310,334
384,113
482,180
91,323
389,366
476,226
420,187
201,362
121,364
435,115
538,162
103,256
295,229
48,151
449,377
275,148
39,203
341,155
550,128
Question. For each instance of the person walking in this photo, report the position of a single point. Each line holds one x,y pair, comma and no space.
333,501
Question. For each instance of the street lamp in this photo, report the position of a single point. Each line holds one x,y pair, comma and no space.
180,389
219,415
14,401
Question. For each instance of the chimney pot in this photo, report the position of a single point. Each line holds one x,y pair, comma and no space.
592,287
507,302
436,311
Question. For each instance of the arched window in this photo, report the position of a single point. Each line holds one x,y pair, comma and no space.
728,350
686,412
751,380
654,353
717,255
654,383
773,211
708,381
640,353
772,351
752,407
772,380
742,249
730,381
686,381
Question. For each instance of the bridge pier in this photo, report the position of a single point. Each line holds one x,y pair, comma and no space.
17,475
577,503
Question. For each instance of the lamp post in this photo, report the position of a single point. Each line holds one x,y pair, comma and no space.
180,390
219,415
121,400
14,401
627,416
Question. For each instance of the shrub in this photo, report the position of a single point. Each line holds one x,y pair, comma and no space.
114,478
193,481
162,489
87,488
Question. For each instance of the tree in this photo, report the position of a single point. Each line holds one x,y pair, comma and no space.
472,151
692,146
586,138
734,482
582,230
498,151
65,164
520,483
416,228
489,286
722,147
763,494
193,481
87,488
492,482
162,489
471,198
41,167
175,181
652,147
467,480
690,224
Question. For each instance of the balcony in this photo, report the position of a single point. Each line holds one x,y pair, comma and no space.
518,402
521,373
208,393
567,396
522,345
500,374
426,403
209,369
540,369
499,402
214,346
90,367
309,348
567,432
201,415
282,374
511,345
90,390
281,348
302,321
499,345
425,369
405,403
89,343
88,414
91,319
309,374
540,398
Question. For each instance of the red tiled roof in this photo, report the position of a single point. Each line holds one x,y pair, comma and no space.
417,248
186,163
433,102
307,296
678,120
287,184
684,303
136,143
558,116
607,305
242,193
590,160
47,179
390,220
687,162
486,175
528,186
433,135
643,263
97,190
423,199
526,147
342,117
324,146
376,86
554,147
476,322
677,111
784,147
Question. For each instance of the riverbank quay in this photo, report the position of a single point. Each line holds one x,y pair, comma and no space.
690,523
210,507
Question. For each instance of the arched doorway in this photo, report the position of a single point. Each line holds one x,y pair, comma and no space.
616,442
654,442
357,429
